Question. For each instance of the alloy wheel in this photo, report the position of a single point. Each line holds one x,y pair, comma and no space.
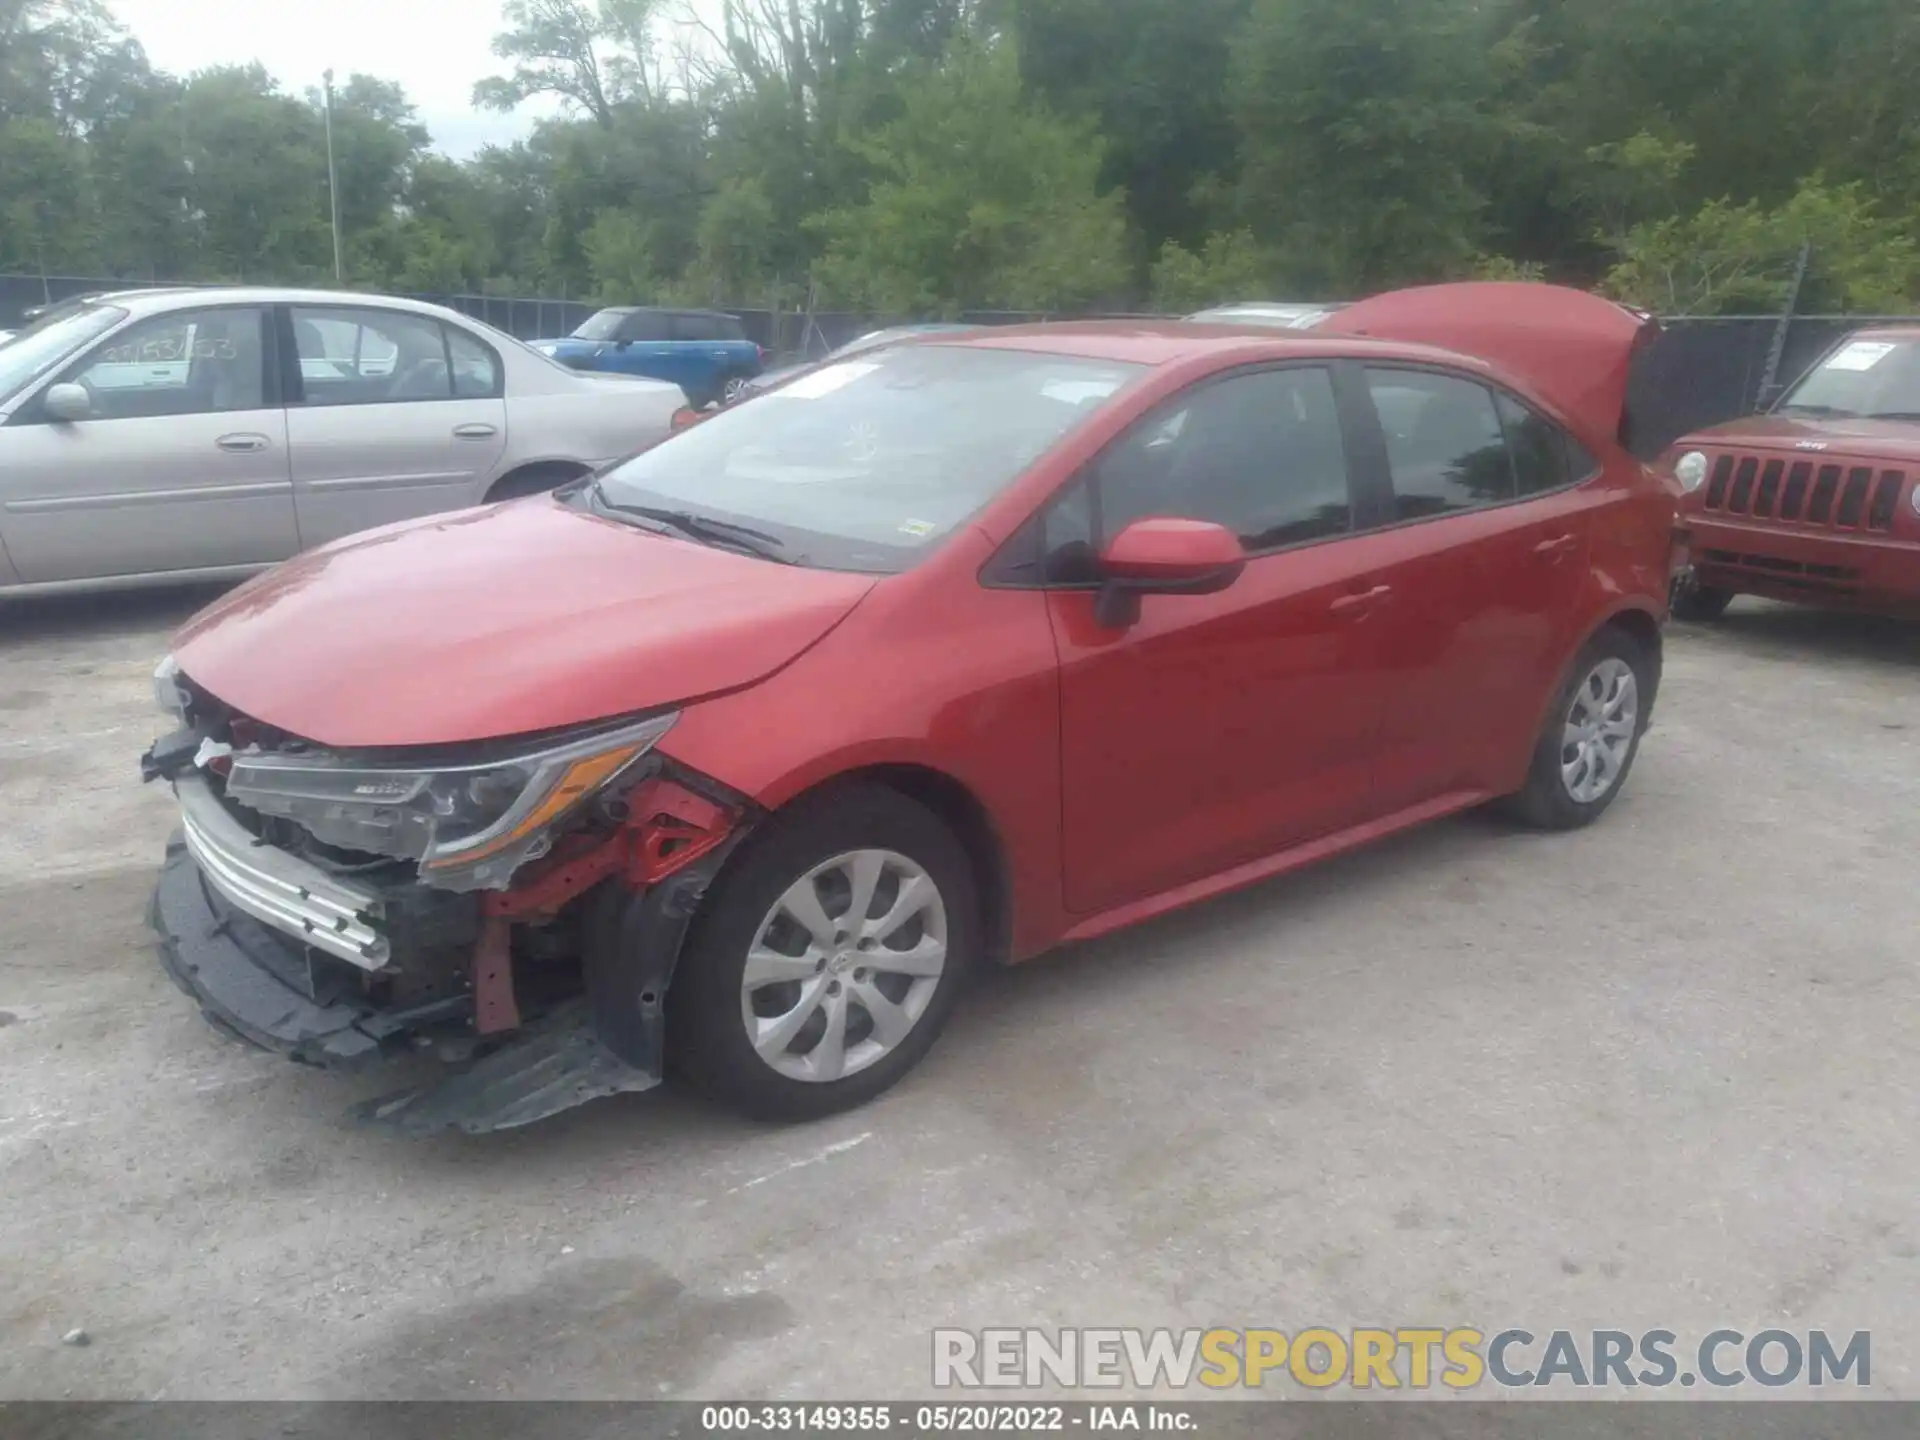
1600,730
844,966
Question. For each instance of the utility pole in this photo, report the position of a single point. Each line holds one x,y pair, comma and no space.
333,182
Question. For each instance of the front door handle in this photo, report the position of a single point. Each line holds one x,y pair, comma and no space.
1364,603
242,444
1556,549
475,432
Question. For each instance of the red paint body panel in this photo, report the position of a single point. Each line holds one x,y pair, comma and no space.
934,671
499,622
1218,728
1335,693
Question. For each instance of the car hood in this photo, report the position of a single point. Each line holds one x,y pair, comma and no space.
499,622
1895,440
1575,350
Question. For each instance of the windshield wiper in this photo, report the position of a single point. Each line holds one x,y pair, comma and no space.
702,528
1895,415
1827,411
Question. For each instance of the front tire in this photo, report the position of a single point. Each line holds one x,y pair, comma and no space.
1592,736
827,959
1697,603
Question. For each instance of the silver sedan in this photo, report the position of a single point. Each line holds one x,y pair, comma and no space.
204,434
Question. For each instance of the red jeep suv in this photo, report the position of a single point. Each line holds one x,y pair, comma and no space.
1818,500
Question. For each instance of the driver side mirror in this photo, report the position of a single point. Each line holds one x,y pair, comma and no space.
68,403
1163,556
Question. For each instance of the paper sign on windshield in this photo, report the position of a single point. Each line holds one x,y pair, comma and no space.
1861,355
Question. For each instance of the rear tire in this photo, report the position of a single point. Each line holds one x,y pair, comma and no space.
814,1047
1591,738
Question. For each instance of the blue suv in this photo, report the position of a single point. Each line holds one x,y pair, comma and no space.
706,353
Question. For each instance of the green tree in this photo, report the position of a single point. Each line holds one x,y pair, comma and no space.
1728,258
982,199
1231,265
1365,130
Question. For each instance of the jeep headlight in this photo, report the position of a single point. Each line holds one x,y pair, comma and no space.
470,826
1691,470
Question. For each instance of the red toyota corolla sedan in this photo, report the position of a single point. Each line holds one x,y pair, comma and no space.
747,752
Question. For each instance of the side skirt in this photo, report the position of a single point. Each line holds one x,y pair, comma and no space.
1267,867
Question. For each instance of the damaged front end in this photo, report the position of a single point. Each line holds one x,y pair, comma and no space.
517,910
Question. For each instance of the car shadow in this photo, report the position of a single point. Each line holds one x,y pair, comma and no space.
1020,1005
102,615
1786,631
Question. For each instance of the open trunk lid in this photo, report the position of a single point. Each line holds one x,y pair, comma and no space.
1574,349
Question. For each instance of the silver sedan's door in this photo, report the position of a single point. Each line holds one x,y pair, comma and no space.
395,416
182,464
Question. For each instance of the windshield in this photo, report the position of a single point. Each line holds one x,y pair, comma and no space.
1864,380
604,326
49,340
868,464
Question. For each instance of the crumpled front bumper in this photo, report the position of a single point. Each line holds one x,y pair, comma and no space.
254,985
260,986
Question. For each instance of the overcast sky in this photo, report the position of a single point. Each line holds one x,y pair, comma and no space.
435,48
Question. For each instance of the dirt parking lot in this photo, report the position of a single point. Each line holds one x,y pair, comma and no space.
1660,1074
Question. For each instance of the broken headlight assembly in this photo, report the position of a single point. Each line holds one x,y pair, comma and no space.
470,827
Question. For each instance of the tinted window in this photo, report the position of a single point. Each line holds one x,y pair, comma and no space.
1540,456
476,369
867,464
1261,454
370,357
1445,443
695,327
645,325
190,362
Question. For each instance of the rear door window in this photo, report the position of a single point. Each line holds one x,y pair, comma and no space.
369,357
1542,461
1446,443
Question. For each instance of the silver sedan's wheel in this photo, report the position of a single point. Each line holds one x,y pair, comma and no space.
844,966
1600,730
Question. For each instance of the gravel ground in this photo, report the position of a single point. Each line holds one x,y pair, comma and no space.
1659,1074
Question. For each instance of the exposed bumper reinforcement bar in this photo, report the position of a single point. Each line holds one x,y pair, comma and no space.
284,891
254,984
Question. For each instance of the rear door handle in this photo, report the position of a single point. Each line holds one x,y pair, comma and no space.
475,432
242,444
1557,548
1364,603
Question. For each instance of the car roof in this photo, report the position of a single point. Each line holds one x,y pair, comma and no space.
1887,332
1167,342
168,297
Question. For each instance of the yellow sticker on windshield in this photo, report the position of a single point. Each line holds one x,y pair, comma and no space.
918,529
